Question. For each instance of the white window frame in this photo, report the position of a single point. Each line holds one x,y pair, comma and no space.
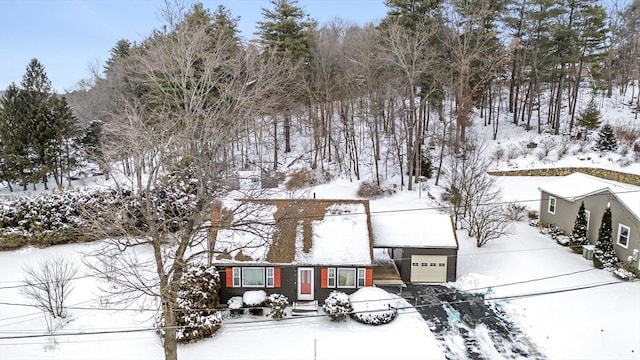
628,237
253,268
587,214
553,200
355,281
331,277
361,278
270,276
236,277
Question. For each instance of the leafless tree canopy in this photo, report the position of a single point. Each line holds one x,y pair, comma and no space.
49,284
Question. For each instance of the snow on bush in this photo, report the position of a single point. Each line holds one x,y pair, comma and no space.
254,297
196,314
373,306
337,306
277,304
235,303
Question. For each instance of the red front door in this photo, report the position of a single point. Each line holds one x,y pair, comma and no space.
305,283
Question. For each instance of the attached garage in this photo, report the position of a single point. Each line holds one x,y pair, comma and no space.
424,249
428,269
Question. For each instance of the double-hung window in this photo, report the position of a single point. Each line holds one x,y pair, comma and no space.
552,205
331,277
270,277
362,277
623,235
236,277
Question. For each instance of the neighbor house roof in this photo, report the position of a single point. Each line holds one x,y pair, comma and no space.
578,185
300,231
415,229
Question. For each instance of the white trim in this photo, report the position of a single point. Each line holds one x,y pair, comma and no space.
270,275
587,214
253,268
620,227
236,276
305,296
355,280
361,275
555,205
331,277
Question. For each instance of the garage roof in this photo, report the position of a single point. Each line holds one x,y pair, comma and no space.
412,229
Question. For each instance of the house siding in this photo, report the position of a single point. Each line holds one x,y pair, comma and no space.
566,211
288,282
404,263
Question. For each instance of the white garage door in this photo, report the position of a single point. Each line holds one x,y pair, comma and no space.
428,268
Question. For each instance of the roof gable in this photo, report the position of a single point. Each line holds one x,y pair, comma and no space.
578,186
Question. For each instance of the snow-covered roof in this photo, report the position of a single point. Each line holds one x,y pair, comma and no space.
300,231
413,229
579,185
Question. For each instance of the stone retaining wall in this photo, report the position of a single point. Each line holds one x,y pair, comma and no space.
633,179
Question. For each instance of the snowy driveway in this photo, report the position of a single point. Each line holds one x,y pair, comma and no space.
467,327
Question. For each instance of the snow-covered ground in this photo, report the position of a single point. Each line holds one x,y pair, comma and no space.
602,322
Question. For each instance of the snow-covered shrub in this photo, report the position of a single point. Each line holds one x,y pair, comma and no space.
373,306
513,151
624,274
540,154
604,256
515,211
337,306
196,314
254,297
556,234
373,191
235,303
277,305
255,300
547,145
304,178
624,162
498,154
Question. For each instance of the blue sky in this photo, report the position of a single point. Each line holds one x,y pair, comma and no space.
68,36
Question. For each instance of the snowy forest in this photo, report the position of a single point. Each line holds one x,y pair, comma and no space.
391,96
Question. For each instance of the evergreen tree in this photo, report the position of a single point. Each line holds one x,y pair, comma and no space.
285,30
579,232
13,147
120,51
604,252
285,33
37,91
607,139
589,117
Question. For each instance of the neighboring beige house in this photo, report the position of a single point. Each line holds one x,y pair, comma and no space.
560,200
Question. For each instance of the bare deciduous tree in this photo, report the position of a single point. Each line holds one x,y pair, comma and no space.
49,285
183,101
474,195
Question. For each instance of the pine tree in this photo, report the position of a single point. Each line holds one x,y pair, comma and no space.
120,51
589,117
604,252
13,149
285,33
607,139
284,29
579,232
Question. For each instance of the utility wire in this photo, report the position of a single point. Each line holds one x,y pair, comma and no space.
257,322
